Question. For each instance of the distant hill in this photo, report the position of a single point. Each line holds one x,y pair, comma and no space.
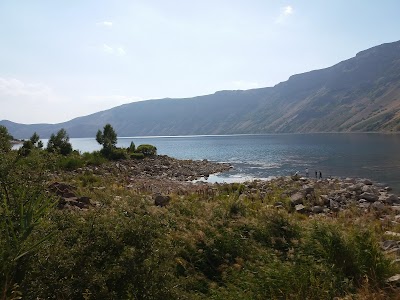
359,94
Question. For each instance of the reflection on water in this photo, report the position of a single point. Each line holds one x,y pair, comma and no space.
366,155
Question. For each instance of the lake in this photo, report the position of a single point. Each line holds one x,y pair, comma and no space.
366,155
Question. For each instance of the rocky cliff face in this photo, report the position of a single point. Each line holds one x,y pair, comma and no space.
359,94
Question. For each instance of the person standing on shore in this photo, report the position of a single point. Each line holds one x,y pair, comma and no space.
320,175
307,172
316,175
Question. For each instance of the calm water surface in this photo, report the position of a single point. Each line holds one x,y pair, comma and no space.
366,155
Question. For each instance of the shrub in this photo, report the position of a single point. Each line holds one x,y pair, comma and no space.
94,158
147,150
137,155
59,143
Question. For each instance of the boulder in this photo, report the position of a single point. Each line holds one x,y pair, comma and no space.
369,197
355,187
297,198
317,209
379,206
367,182
161,200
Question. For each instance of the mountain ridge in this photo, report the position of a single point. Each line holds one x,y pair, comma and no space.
359,94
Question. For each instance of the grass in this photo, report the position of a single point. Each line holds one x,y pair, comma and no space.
225,245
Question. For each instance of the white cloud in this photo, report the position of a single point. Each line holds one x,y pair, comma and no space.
105,24
119,51
108,49
13,88
286,12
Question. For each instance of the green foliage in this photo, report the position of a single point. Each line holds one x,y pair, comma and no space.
59,143
5,139
137,155
118,154
94,158
107,138
104,255
147,150
131,148
23,207
33,143
71,162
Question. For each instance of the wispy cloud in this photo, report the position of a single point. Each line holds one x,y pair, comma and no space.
119,51
14,88
285,13
105,24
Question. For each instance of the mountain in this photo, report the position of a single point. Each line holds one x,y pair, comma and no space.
358,94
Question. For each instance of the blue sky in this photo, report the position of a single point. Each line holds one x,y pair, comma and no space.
64,59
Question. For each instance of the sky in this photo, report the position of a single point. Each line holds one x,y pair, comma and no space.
68,58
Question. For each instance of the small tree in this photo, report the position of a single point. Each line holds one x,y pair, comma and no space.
5,139
59,143
32,143
107,138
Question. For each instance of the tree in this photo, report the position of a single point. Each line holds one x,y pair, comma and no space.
33,143
5,139
107,138
59,143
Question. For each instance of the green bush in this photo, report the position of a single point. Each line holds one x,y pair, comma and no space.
147,150
71,162
94,158
137,155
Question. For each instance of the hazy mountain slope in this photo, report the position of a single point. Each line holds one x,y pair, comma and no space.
359,94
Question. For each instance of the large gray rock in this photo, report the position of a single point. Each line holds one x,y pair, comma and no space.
297,198
369,197
317,209
379,206
355,187
392,199
161,200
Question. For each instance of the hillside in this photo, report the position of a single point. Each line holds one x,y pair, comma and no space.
359,94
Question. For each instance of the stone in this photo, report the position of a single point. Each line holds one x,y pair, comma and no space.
366,189
392,199
355,187
394,234
317,209
395,208
367,182
378,206
333,205
394,280
161,200
324,199
369,197
300,208
389,244
308,189
297,198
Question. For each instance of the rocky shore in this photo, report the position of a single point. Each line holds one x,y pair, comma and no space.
159,167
